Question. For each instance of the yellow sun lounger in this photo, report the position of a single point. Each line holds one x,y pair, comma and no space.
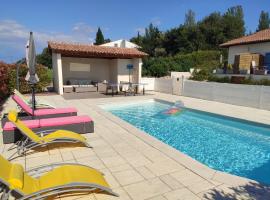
69,179
39,104
33,140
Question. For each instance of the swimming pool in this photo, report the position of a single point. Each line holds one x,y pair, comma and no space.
226,144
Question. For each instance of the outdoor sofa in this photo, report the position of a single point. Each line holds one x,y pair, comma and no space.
80,85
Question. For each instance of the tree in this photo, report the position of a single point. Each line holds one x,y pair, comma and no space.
152,39
99,37
190,18
211,28
137,40
234,24
45,58
264,21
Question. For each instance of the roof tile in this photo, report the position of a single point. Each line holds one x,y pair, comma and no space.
261,36
86,50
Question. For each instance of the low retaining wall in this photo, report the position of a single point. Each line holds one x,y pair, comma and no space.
243,95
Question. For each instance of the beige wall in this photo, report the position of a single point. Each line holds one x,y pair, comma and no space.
111,70
99,69
123,73
261,48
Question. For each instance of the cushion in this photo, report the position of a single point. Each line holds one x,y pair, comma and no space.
9,126
73,82
60,121
55,111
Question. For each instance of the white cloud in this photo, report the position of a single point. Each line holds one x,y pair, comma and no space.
13,37
140,30
156,21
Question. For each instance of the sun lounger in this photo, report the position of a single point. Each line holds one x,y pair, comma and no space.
39,103
44,113
79,124
33,140
72,179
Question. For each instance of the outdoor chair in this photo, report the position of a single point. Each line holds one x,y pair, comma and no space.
80,124
39,104
69,179
33,140
44,113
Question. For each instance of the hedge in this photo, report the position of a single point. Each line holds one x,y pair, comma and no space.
4,91
8,79
162,66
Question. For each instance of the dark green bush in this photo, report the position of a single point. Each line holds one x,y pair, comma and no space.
201,75
162,66
225,79
4,91
42,72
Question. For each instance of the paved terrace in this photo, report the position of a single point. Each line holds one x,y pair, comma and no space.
138,166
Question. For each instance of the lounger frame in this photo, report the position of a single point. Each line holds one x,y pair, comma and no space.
25,145
15,135
75,187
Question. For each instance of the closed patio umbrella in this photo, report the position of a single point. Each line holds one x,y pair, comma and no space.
31,76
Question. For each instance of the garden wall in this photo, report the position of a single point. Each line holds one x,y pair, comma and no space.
244,95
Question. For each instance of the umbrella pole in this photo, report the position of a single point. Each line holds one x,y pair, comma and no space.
33,100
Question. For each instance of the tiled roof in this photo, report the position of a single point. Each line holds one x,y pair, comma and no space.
93,51
261,36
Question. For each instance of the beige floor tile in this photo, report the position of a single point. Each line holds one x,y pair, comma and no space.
137,160
145,172
181,194
122,195
147,189
120,168
171,182
186,177
113,161
128,177
110,178
164,167
38,161
158,198
81,153
102,151
200,186
67,156
92,161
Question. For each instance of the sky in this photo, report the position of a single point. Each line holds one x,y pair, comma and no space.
78,20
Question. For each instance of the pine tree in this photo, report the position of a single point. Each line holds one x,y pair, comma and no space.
234,24
264,21
190,18
99,37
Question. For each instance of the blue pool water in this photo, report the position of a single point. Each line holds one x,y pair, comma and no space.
222,143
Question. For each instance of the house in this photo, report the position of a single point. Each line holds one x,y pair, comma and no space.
93,63
258,42
121,43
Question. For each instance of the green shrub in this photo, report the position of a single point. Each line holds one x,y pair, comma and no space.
45,78
224,79
201,75
4,91
162,66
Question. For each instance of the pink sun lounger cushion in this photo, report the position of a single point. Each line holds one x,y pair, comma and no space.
41,123
42,112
